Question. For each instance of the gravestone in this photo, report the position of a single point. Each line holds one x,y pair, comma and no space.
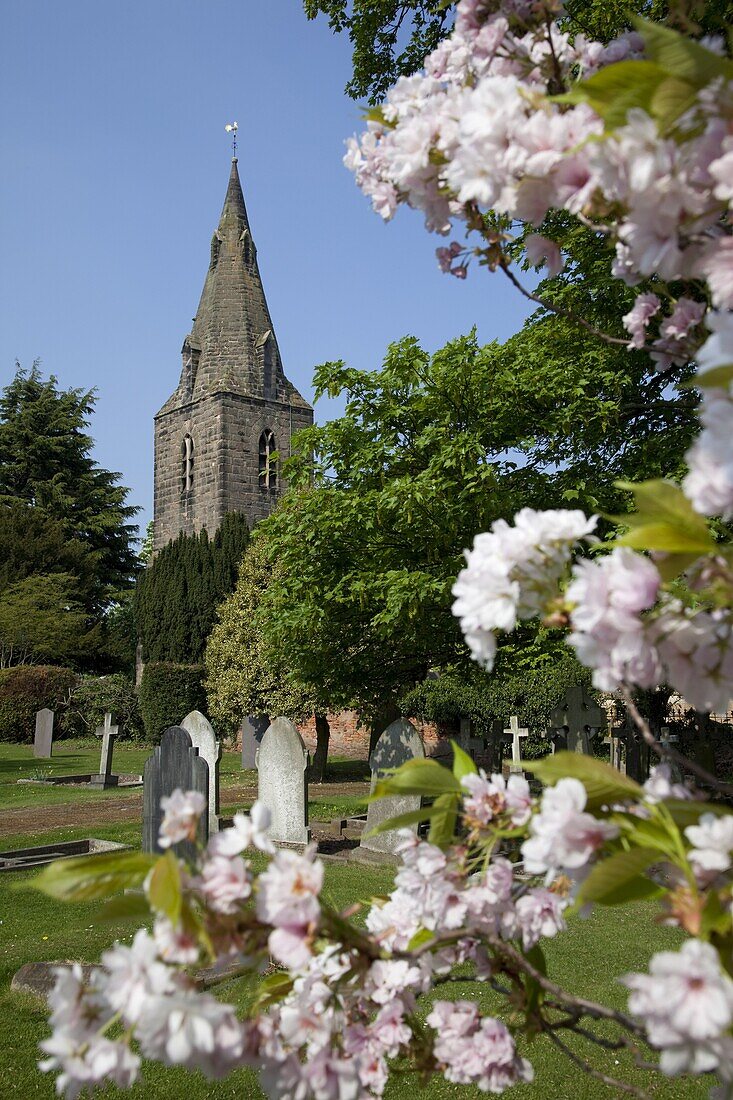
108,733
253,729
204,739
516,733
579,718
398,743
671,741
175,763
615,749
43,740
282,786
636,751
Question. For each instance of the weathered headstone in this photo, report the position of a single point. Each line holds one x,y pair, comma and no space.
516,733
43,740
204,739
399,742
580,718
108,733
671,741
253,729
282,786
175,763
636,751
615,748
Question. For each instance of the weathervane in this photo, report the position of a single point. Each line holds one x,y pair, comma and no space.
231,128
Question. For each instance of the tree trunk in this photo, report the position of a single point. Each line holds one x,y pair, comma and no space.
389,714
323,733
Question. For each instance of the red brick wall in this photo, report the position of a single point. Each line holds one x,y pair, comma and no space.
350,739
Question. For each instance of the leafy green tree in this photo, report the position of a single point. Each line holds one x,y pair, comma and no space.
41,620
177,595
245,672
430,451
45,461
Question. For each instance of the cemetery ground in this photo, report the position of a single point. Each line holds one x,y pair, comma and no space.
33,927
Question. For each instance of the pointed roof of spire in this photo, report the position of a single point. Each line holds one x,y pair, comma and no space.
228,338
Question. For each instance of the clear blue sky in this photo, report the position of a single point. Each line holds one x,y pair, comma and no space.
114,169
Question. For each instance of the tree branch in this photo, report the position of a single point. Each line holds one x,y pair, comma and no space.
560,310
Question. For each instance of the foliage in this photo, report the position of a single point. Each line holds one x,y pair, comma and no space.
244,674
27,689
177,595
168,692
429,451
94,696
531,693
41,619
45,461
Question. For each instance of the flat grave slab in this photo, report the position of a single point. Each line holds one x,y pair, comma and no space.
22,859
86,780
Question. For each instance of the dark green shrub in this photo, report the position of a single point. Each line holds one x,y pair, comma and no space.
95,695
531,695
167,693
28,688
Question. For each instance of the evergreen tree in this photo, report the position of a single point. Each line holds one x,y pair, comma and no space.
45,461
177,595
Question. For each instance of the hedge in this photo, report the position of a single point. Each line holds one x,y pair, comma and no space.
532,695
167,693
26,689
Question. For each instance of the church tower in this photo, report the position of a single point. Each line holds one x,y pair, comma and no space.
217,436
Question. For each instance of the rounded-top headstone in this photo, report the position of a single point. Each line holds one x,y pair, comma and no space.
203,738
282,759
399,743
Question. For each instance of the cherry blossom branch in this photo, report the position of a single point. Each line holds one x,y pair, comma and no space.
665,752
612,1082
560,310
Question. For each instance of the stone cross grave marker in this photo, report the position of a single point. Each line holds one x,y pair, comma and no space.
253,729
175,763
108,733
671,740
516,733
282,785
203,738
398,743
579,717
43,740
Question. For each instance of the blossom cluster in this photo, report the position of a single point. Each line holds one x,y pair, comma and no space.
347,1003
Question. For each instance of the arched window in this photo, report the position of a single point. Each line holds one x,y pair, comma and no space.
268,462
187,464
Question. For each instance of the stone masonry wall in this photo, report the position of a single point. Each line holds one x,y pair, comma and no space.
350,739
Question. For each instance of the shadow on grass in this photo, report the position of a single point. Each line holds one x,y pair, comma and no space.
347,771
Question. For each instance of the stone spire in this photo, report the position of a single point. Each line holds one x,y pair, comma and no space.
232,346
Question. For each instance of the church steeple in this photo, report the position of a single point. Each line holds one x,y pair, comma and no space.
232,395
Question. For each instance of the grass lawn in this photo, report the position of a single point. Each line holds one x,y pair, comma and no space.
585,959
82,757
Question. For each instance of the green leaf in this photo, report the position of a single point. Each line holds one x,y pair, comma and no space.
681,56
462,762
533,990
618,88
125,907
164,887
716,378
425,777
443,825
716,916
603,784
664,520
688,811
91,877
616,880
403,821
422,936
272,989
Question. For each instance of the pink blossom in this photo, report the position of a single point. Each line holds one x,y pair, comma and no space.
712,844
659,786
686,1004
225,883
175,944
474,1050
191,1029
562,835
716,265
86,1062
182,811
490,798
608,633
133,974
539,913
541,251
636,321
246,832
288,890
697,650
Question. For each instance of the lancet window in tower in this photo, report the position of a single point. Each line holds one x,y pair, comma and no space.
187,464
268,461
